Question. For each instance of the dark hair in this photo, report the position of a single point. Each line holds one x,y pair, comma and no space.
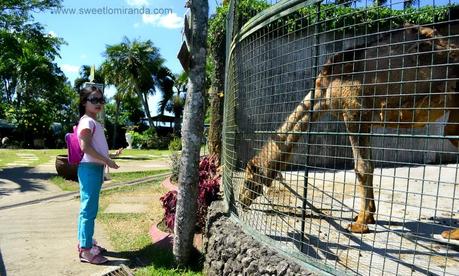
84,94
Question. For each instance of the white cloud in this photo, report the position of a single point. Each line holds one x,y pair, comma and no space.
138,3
83,56
67,68
151,18
52,34
136,25
169,21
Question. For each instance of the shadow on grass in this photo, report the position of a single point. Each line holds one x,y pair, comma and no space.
160,257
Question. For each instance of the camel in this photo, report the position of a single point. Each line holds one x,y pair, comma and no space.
405,79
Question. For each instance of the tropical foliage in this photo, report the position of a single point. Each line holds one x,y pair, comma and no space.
209,189
216,41
173,100
136,67
36,96
33,89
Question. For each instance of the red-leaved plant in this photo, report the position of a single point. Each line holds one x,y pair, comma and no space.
209,188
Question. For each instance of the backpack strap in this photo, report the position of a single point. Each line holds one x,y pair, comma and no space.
75,129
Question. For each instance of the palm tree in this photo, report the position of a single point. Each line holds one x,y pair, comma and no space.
137,67
173,100
112,79
85,72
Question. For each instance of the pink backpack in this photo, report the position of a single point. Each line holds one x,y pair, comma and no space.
75,154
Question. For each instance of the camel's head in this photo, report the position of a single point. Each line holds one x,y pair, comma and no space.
336,66
252,186
322,82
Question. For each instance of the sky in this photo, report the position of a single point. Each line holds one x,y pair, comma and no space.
88,26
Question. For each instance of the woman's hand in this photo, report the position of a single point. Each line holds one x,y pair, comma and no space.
116,153
111,164
119,151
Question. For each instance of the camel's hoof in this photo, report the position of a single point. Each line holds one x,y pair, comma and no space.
370,219
451,234
358,228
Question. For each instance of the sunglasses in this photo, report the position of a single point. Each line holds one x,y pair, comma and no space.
96,100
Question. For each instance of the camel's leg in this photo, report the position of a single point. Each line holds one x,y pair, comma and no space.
265,166
364,168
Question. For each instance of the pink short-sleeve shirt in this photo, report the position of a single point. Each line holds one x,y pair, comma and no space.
98,142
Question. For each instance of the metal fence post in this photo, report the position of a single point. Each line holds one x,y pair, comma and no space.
306,169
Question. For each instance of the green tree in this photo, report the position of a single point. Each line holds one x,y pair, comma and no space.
174,100
31,82
85,72
136,67
25,46
111,78
216,41
15,14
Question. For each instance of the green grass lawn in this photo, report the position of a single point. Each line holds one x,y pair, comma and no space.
21,158
129,233
67,185
10,156
137,152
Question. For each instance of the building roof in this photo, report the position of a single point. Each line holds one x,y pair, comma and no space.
164,118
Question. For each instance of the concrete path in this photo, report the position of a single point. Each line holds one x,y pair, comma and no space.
38,223
40,239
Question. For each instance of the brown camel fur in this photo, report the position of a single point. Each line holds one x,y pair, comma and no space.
405,79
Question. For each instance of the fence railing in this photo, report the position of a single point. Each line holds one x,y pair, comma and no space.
341,130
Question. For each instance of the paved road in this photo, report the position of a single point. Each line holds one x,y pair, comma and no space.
37,236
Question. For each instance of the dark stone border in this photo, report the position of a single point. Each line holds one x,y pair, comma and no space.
230,251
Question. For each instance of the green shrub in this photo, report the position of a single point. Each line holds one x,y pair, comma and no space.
137,139
175,144
149,139
175,166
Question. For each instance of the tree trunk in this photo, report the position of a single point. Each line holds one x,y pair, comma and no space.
218,54
216,108
18,93
177,123
146,108
192,129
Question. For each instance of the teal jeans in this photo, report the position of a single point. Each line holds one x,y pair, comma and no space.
91,177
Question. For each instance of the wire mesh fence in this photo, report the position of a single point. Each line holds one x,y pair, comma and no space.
341,131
